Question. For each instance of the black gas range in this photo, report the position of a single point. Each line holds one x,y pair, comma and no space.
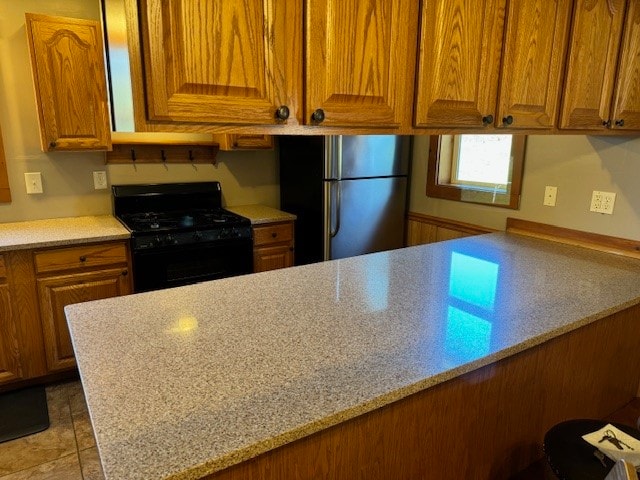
180,234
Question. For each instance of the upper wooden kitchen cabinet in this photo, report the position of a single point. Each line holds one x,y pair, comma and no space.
67,62
626,99
244,141
533,59
468,51
221,61
458,62
602,88
360,58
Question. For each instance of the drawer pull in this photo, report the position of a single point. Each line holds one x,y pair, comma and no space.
274,235
83,258
125,273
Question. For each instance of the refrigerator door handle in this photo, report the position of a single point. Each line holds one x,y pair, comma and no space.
333,157
334,231
338,156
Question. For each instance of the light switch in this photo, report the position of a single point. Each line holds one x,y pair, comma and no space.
33,181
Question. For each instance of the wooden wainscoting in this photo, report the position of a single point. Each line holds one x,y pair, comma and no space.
423,229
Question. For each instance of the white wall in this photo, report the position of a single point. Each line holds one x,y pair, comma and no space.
576,164
246,177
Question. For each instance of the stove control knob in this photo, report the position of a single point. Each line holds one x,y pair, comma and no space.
170,240
224,233
157,240
197,236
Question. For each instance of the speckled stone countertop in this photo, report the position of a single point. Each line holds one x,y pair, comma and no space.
261,214
187,381
60,231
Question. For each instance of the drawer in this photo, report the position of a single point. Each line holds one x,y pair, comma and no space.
3,269
84,256
275,233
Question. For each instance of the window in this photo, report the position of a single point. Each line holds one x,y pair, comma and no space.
476,168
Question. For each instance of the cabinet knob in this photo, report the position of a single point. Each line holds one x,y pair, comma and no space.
318,116
282,113
125,273
274,235
508,120
83,258
487,120
606,123
620,123
53,144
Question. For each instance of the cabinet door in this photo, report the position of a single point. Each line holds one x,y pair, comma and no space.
360,61
9,354
57,292
221,61
535,45
70,83
251,142
626,107
272,258
459,62
591,68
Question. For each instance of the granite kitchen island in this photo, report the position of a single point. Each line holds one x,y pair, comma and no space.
425,362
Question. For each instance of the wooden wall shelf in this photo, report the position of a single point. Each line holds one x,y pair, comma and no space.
171,152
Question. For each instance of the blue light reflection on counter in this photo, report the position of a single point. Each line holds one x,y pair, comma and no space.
473,283
468,337
473,280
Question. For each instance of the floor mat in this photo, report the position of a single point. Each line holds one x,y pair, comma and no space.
23,412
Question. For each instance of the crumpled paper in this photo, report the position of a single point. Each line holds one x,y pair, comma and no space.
615,444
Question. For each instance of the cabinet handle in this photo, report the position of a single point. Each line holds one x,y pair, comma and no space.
508,120
282,113
318,116
53,144
620,123
125,273
83,258
487,120
606,123
274,235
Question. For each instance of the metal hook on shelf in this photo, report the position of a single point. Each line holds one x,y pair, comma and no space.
164,159
133,159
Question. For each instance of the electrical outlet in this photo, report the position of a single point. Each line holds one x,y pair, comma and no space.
100,180
602,202
33,181
550,194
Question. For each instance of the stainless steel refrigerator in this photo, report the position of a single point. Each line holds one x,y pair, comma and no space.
349,193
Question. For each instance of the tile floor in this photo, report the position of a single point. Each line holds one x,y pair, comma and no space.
65,451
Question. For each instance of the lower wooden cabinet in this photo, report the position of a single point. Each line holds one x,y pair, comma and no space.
35,286
57,292
9,354
273,246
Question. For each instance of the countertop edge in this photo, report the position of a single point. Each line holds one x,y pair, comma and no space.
55,232
261,214
64,243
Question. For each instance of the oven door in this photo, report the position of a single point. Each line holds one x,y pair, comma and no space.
177,265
